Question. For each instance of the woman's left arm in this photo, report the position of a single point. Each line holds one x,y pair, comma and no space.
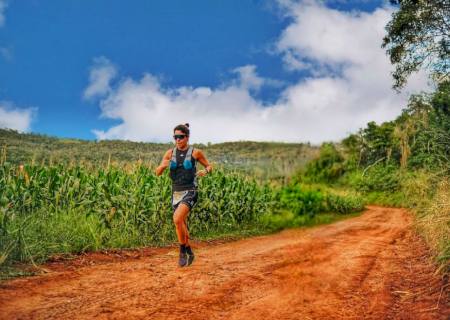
200,157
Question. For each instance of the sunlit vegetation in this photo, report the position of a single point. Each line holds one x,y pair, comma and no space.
65,196
69,196
61,209
404,162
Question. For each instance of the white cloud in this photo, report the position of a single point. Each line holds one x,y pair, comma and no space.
15,118
350,85
333,37
149,112
249,79
12,117
3,6
100,76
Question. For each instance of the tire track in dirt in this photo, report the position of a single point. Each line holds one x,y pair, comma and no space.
370,267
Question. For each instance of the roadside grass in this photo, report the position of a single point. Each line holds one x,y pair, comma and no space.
268,224
427,194
433,221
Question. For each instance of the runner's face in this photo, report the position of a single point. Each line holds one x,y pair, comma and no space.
181,143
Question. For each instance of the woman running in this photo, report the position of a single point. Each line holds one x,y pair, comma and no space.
182,162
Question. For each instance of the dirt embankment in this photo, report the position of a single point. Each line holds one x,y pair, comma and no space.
369,267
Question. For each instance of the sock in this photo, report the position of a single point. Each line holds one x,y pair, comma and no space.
183,248
189,251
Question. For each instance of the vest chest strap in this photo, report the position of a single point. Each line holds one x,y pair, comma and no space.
187,163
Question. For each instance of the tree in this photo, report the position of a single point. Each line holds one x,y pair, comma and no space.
327,167
377,143
441,99
425,125
419,37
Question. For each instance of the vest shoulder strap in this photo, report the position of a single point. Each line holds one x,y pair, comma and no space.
189,153
174,155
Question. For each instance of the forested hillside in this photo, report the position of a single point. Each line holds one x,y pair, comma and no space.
264,160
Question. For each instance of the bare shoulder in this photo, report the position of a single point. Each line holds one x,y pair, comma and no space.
197,153
168,154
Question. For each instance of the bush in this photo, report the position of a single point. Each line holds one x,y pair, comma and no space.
379,178
310,200
327,167
344,204
300,200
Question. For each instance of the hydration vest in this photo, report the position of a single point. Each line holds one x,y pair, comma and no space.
183,170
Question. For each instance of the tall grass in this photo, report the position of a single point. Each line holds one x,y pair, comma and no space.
434,222
426,193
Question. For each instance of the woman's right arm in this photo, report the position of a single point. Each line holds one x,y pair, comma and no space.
164,163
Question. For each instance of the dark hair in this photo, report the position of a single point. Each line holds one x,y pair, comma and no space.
183,128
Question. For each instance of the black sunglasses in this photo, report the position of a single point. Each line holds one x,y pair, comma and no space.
179,136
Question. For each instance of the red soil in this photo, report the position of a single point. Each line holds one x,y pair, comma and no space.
370,267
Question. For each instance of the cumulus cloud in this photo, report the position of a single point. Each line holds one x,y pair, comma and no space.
101,74
149,112
12,117
357,88
349,85
332,37
15,118
249,79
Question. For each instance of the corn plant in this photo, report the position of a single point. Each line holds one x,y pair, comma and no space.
63,208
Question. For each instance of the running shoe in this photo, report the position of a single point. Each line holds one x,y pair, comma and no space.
183,259
190,255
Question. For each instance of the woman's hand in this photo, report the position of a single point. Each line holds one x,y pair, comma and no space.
202,173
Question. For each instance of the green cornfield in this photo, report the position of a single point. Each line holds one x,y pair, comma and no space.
59,209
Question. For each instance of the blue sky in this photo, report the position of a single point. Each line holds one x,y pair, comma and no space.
252,70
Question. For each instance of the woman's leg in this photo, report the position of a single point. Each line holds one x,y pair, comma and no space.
186,232
180,218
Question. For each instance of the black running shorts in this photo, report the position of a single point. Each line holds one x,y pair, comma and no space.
188,197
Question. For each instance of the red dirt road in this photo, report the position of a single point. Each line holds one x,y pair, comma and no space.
369,267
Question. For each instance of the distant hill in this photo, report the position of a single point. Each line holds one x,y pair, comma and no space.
265,160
